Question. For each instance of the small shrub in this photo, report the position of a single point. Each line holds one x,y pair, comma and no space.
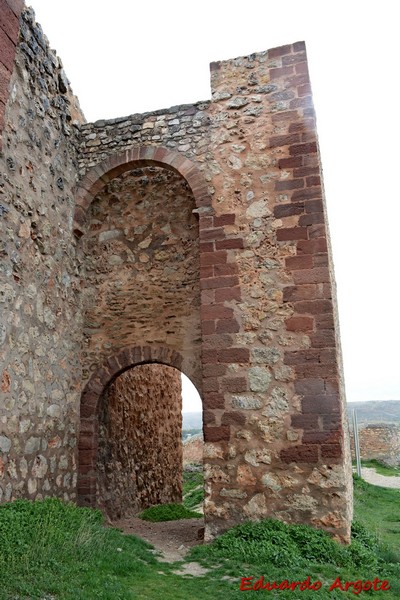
168,512
266,541
316,545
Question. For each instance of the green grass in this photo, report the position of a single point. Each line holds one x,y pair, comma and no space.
53,550
378,509
193,489
273,542
380,468
168,512
282,552
63,551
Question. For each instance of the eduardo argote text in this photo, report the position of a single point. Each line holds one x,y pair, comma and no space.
356,587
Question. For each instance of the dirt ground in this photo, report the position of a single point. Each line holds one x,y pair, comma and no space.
172,538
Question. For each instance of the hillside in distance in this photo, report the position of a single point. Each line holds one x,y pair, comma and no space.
375,411
192,420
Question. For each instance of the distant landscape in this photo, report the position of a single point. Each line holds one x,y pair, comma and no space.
375,411
192,420
192,424
371,411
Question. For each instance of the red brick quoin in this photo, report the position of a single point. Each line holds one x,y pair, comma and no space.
310,294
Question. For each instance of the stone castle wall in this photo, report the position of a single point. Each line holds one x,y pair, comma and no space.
40,315
142,275
140,449
9,34
183,128
378,440
197,232
193,450
276,384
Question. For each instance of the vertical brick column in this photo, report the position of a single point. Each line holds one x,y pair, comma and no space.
10,11
219,289
300,207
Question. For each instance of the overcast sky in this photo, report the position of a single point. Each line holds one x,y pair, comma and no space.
125,57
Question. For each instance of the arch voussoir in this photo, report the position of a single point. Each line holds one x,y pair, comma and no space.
97,177
160,153
123,360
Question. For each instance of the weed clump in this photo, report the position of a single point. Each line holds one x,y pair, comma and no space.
273,542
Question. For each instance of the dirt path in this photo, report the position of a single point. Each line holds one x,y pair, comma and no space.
172,538
371,476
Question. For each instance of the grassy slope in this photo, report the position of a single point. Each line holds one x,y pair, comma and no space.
380,467
168,512
193,489
379,510
48,549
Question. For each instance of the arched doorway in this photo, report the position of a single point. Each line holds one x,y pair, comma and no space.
139,456
130,451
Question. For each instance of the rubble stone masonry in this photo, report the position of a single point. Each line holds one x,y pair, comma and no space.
140,448
379,441
40,316
193,237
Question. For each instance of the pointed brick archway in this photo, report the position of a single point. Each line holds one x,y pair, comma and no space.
96,178
88,437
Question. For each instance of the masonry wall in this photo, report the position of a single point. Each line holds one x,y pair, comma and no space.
277,447
378,440
194,232
10,11
274,421
141,259
40,318
193,450
140,449
183,128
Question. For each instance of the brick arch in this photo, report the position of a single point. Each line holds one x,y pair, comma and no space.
141,156
88,436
